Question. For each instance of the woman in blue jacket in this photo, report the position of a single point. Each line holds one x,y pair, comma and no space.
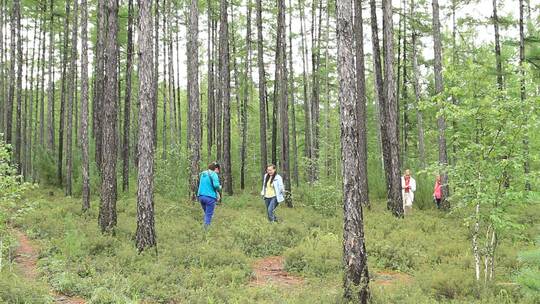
273,191
209,189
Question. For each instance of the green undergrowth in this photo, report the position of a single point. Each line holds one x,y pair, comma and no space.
191,266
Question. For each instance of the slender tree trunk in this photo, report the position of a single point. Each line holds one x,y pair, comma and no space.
262,89
293,104
211,103
127,100
172,95
84,108
12,60
522,91
246,97
2,68
50,98
441,122
416,85
315,94
41,86
361,103
146,234
404,92
379,93
164,86
178,99
107,210
308,132
476,252
225,96
98,97
329,146
29,104
63,97
283,100
194,143
71,94
156,72
356,280
18,128
395,203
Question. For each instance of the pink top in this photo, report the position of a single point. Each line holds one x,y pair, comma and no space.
437,190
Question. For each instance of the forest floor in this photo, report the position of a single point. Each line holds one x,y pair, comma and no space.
424,258
26,257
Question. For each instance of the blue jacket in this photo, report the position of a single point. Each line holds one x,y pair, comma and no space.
278,188
209,184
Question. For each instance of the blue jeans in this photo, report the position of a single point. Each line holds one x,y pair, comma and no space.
271,204
208,204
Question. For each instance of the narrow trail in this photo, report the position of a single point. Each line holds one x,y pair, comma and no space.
270,271
26,256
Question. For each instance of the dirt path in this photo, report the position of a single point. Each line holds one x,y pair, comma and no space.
390,278
270,270
26,257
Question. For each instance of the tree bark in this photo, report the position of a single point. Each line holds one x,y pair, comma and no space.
283,101
361,103
262,90
356,280
127,100
12,60
225,96
315,90
308,132
194,143
99,87
107,210
292,102
146,234
379,93
522,91
416,85
210,94
395,203
71,101
246,97
41,86
2,68
18,114
156,72
441,122
50,98
84,108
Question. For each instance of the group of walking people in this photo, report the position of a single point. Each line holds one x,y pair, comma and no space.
209,192
273,191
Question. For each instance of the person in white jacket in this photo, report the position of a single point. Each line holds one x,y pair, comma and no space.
273,191
408,187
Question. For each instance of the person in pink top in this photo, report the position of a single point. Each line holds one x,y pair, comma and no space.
437,191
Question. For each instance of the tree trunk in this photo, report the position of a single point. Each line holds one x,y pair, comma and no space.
84,108
99,87
146,234
262,90
361,103
315,90
329,146
356,280
211,103
156,73
127,100
50,98
178,99
293,104
476,252
522,92
164,88
71,94
225,96
395,203
404,92
41,86
172,92
308,132
194,143
63,97
2,67
441,122
283,101
246,97
416,85
11,94
18,114
107,210
379,93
